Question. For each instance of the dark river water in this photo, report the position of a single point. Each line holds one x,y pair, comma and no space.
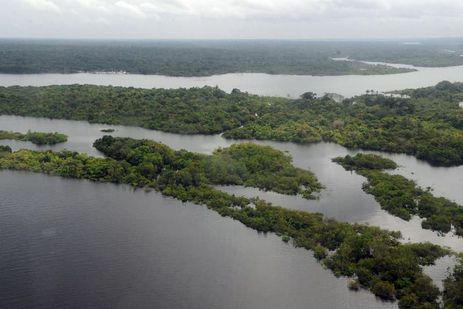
76,244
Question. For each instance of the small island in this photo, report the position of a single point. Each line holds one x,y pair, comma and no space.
402,197
38,138
363,161
109,130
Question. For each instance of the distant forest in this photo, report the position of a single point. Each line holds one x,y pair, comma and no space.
204,58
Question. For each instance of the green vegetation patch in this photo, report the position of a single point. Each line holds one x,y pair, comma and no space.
38,138
260,166
206,110
401,197
240,164
365,161
429,129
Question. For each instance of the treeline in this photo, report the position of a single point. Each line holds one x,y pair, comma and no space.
429,128
401,197
375,258
38,138
206,110
179,58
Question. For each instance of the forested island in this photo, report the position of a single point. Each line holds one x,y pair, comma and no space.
38,138
401,197
189,58
427,125
375,258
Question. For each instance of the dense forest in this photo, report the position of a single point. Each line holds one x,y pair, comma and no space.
38,138
240,164
430,128
375,258
203,58
428,125
402,197
184,58
197,110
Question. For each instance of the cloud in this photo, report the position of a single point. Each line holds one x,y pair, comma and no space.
232,18
299,9
259,9
94,5
132,9
166,7
45,5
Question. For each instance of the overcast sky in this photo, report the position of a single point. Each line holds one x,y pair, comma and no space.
215,19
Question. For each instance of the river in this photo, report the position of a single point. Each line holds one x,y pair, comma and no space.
256,83
73,244
77,244
144,242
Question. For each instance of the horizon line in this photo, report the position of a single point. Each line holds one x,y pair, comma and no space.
390,39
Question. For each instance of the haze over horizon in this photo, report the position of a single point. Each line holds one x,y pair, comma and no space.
231,19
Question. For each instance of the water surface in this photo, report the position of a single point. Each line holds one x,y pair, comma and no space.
77,244
342,199
256,83
70,243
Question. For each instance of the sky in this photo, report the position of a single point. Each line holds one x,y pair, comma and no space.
231,19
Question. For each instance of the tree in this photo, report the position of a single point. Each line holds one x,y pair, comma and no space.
308,96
